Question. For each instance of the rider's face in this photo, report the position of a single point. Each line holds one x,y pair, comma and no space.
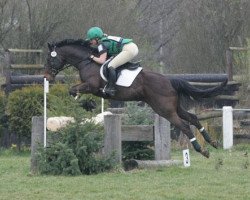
94,41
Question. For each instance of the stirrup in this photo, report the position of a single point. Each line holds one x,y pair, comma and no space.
110,91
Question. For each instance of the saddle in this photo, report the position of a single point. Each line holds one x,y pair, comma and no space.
129,66
126,73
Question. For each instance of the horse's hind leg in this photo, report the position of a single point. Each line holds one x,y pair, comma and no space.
167,108
185,128
194,121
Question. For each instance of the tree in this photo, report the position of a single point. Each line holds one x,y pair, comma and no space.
7,19
192,36
187,35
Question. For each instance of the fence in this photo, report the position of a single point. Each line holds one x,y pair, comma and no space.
16,71
115,133
227,120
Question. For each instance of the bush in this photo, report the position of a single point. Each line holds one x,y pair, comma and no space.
58,160
75,150
22,105
2,107
3,117
28,102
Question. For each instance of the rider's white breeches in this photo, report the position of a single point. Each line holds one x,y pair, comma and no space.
129,51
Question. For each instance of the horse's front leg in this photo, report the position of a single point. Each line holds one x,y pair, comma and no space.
80,88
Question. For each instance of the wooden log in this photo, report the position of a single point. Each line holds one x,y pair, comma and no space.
117,110
26,66
227,97
208,115
149,164
137,133
26,50
31,79
214,114
212,84
239,48
200,77
245,123
57,123
241,138
229,89
239,115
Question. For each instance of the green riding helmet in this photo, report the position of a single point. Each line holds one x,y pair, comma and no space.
94,32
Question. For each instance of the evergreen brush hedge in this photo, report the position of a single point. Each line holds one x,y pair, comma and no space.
75,150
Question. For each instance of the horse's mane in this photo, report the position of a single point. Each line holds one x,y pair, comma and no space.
80,42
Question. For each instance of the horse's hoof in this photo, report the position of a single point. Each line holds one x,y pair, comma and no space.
214,144
205,153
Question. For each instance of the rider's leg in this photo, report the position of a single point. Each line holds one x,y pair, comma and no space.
112,77
129,51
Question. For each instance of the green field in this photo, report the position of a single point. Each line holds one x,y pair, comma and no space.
226,175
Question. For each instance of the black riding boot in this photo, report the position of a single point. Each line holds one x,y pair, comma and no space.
110,87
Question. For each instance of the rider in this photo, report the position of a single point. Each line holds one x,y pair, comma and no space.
123,49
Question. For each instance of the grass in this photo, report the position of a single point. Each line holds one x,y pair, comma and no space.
226,175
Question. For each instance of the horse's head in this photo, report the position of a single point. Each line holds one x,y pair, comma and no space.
54,63
68,51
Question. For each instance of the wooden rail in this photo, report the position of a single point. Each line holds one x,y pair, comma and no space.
26,66
115,134
26,50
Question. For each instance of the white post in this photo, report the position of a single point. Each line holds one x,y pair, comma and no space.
227,127
102,105
46,90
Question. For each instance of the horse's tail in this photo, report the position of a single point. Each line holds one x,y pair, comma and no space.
183,87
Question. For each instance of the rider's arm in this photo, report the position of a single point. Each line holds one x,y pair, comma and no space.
101,59
102,55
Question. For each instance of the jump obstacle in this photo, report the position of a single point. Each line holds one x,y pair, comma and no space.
115,133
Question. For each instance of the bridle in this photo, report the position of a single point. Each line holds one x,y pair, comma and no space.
55,63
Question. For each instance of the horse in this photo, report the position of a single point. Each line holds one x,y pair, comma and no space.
161,93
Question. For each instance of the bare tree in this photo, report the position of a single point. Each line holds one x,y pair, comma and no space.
44,18
192,35
7,19
174,35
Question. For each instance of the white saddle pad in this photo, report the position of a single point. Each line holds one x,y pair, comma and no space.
126,77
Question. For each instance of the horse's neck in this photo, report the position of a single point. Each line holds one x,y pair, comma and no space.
73,53
78,55
89,70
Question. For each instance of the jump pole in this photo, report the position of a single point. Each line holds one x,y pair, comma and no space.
46,90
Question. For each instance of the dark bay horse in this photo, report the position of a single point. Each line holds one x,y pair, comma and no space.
158,91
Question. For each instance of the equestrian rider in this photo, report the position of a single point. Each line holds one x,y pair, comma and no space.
122,49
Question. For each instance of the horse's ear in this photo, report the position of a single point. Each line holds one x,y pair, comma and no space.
50,46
